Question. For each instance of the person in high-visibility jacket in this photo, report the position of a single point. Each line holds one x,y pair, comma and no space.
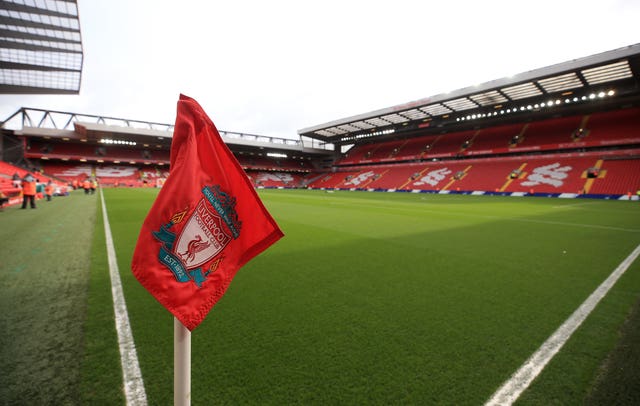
48,190
86,185
29,191
3,199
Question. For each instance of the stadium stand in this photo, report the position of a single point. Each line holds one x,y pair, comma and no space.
8,188
616,176
334,180
571,146
487,175
416,148
621,127
359,154
273,164
396,177
77,151
495,159
454,144
569,129
387,151
107,175
549,134
553,173
262,179
495,140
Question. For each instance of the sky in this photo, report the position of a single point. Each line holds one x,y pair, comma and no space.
274,67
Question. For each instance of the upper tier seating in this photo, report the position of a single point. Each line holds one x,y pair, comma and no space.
495,139
37,148
450,145
272,164
614,128
360,153
620,127
548,133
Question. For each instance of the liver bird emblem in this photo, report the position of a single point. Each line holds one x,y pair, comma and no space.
196,245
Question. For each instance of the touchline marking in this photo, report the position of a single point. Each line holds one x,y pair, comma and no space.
490,217
133,384
561,223
570,205
511,390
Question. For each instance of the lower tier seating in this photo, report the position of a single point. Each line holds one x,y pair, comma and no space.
578,173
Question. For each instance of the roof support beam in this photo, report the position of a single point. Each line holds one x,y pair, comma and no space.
43,68
36,10
18,22
37,37
4,44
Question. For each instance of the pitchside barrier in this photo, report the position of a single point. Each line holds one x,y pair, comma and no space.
483,193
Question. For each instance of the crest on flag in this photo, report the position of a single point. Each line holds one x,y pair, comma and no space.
208,230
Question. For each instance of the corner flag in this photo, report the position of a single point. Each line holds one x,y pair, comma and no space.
206,223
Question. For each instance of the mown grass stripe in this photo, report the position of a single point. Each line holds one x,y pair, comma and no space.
511,390
133,383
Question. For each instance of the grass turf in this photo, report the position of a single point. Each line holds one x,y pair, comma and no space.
101,372
44,279
619,372
392,298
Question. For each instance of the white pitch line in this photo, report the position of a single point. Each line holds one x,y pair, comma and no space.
511,390
564,206
133,384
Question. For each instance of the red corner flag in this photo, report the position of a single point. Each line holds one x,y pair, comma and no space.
206,223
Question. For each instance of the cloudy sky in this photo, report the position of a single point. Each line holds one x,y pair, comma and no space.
274,67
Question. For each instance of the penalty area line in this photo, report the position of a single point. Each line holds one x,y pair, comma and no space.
132,377
511,390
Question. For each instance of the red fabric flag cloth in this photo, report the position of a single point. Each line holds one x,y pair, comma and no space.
206,223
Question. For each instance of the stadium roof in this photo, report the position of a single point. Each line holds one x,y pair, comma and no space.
40,47
32,122
595,81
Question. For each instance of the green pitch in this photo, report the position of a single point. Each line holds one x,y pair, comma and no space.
381,298
394,298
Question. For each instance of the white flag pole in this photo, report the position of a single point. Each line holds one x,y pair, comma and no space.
181,364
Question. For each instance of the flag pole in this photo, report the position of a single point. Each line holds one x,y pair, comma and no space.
181,364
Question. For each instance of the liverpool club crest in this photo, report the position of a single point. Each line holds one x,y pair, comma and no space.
191,249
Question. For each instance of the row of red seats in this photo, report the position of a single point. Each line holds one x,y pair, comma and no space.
277,164
7,171
596,173
106,174
75,151
13,191
276,179
620,127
